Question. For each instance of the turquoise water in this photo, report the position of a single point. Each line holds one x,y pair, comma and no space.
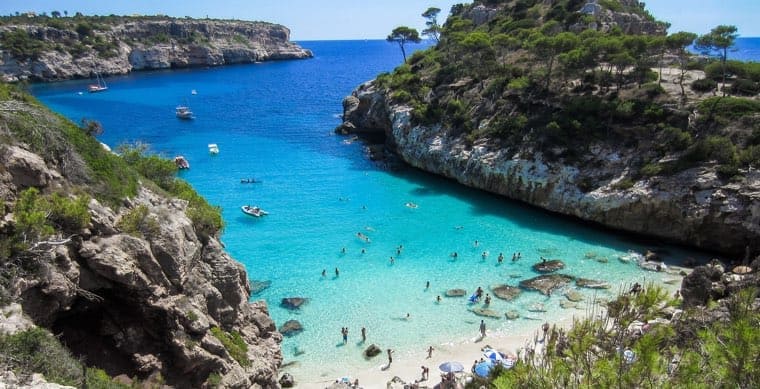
273,122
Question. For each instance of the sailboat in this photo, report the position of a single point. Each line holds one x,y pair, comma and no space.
99,87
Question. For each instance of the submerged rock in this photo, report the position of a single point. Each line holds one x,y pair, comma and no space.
455,293
546,283
486,312
506,292
259,286
591,284
574,295
372,350
291,327
293,302
568,304
512,315
548,266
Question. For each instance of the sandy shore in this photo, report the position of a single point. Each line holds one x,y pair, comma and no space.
408,367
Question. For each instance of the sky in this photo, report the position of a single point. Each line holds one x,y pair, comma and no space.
374,19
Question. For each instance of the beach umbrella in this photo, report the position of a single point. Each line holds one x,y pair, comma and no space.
483,368
451,367
493,355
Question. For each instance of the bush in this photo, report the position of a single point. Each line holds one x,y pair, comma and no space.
729,107
37,351
99,379
21,44
138,222
704,85
744,87
69,214
235,345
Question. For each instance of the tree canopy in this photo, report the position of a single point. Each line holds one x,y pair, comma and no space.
719,39
402,35
433,29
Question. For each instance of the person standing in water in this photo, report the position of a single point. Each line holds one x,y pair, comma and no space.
364,334
390,357
337,272
482,328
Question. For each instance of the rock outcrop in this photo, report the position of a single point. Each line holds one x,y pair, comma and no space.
693,207
140,305
126,44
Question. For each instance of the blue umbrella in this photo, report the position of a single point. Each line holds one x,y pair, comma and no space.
483,368
451,367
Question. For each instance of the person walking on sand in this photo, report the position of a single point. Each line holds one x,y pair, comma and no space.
364,334
482,328
430,352
390,357
545,329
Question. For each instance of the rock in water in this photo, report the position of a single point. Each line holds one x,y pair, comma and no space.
568,304
291,327
287,381
548,266
259,286
512,315
372,350
455,293
546,283
574,295
486,312
293,302
506,292
591,284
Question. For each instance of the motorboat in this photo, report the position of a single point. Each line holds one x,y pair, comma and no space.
253,211
181,162
213,148
184,112
99,87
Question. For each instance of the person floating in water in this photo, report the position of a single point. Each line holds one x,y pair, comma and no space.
454,254
484,255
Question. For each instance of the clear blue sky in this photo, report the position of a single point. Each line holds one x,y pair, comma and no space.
374,19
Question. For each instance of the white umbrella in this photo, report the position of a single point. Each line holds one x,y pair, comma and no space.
493,355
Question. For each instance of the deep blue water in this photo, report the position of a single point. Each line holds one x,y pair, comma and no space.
745,49
274,122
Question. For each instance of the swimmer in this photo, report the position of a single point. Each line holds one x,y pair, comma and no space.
454,254
324,272
337,272
427,285
438,299
476,243
458,227
501,258
363,251
392,261
484,255
343,250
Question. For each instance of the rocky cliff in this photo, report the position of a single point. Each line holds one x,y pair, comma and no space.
694,207
168,302
80,48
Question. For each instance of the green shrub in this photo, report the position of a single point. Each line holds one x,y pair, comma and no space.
37,351
235,345
31,216
401,96
207,219
99,379
69,214
651,169
729,107
744,87
22,45
214,380
675,138
704,85
623,184
138,222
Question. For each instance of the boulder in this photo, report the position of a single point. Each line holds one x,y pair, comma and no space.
512,315
290,328
372,350
287,380
568,304
486,312
695,287
548,266
591,284
293,302
546,283
455,293
506,292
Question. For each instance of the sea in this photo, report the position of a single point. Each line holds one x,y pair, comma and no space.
379,236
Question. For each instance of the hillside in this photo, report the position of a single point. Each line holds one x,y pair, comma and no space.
43,48
581,108
121,261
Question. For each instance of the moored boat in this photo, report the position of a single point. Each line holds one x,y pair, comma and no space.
213,148
184,112
99,87
253,211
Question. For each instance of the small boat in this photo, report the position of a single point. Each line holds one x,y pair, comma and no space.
99,87
253,211
213,148
184,112
181,162
249,181
193,92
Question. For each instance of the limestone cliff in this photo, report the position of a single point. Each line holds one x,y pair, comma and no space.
165,301
79,48
694,207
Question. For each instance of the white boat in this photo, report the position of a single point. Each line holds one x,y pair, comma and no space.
184,112
193,92
99,87
253,211
213,148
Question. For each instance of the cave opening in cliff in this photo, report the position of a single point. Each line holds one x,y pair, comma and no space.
105,333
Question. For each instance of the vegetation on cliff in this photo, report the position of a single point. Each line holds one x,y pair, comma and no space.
559,77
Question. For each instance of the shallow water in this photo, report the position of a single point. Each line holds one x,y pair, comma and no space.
273,122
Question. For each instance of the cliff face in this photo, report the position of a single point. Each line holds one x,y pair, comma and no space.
693,207
162,302
142,44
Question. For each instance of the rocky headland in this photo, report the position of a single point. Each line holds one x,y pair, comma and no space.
50,49
134,286
514,131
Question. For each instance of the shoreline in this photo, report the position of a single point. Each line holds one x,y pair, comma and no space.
466,351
